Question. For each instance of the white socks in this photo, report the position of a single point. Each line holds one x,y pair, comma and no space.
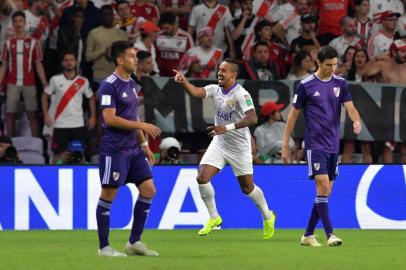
257,196
207,194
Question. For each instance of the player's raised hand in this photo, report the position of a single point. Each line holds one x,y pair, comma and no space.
151,130
285,154
357,127
179,77
216,130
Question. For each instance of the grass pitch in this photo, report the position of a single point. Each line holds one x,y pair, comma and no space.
183,249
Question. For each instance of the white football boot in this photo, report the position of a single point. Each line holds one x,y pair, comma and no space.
139,248
110,252
334,241
310,241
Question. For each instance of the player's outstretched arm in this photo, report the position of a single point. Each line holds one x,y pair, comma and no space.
249,120
112,120
354,116
290,124
190,88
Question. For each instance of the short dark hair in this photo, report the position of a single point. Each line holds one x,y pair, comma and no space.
326,52
122,2
359,2
78,10
260,43
142,55
107,7
18,13
235,63
70,53
167,18
118,48
260,25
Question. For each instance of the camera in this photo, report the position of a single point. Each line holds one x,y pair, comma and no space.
10,156
75,157
172,154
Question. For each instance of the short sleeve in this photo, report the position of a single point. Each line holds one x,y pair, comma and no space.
107,97
87,91
228,17
345,94
50,90
299,97
245,101
210,89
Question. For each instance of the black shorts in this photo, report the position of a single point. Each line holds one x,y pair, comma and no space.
63,136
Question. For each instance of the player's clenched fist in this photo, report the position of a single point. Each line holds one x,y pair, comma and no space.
179,77
151,130
357,127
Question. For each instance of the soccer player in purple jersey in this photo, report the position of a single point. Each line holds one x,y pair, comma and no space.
321,96
124,153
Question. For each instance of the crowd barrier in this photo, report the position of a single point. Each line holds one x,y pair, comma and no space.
52,197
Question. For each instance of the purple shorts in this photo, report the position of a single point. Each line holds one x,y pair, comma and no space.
121,169
321,162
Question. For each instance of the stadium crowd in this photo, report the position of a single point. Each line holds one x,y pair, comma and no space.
55,52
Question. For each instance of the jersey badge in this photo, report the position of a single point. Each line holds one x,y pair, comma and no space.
230,103
125,95
316,94
248,100
336,91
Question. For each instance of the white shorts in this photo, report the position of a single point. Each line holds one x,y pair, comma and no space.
216,156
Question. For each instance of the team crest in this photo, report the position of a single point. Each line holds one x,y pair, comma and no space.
336,91
76,85
316,166
148,10
230,103
116,175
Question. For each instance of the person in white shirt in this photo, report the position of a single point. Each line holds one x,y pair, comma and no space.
348,38
235,112
7,8
214,15
209,56
65,113
147,40
381,40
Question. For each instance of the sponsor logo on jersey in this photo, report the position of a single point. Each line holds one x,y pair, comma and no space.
226,116
336,91
124,95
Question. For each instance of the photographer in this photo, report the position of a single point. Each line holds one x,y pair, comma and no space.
170,151
8,153
75,154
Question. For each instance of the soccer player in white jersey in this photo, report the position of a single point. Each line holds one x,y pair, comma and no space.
231,143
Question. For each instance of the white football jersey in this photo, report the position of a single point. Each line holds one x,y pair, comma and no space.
230,108
379,44
72,115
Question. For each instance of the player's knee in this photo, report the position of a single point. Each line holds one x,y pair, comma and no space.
148,192
247,188
202,179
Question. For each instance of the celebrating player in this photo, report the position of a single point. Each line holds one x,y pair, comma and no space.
321,96
121,159
231,142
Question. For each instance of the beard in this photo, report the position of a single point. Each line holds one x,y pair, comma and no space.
399,60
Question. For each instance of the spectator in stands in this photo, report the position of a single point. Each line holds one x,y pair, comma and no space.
195,69
181,8
73,155
7,8
145,9
308,36
212,14
20,54
171,44
127,22
277,55
377,7
8,153
288,28
209,56
169,151
92,16
381,40
360,59
302,66
67,119
99,42
364,24
269,135
146,43
390,69
241,30
401,27
70,39
346,61
235,8
348,37
259,67
330,14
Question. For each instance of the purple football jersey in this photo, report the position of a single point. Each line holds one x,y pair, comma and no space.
321,102
115,92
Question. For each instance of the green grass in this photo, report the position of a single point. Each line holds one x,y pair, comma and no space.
183,249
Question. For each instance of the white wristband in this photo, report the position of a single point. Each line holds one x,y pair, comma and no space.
230,127
144,144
